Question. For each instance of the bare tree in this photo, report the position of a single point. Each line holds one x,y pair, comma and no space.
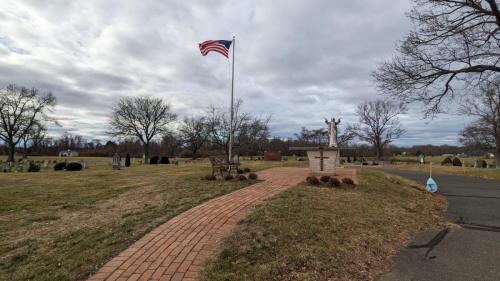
219,124
454,44
485,131
142,117
20,110
194,132
253,135
379,124
34,136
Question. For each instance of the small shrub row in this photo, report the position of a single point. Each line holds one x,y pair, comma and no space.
240,177
72,166
156,159
328,181
33,168
451,162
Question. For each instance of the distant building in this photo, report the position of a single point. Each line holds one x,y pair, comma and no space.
68,153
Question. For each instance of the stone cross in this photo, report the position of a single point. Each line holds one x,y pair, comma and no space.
332,132
321,158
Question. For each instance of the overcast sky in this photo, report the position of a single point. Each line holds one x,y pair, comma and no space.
300,61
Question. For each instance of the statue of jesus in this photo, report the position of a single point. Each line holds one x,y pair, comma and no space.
332,132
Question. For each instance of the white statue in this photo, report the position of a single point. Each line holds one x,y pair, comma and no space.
332,132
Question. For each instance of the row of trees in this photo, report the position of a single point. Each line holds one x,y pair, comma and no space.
145,123
143,126
148,118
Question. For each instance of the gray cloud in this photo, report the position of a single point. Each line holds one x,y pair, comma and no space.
299,61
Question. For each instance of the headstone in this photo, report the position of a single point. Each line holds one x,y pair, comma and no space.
122,162
84,163
45,164
272,155
422,158
116,162
236,159
9,167
20,167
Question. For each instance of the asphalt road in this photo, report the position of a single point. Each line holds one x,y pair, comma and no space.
469,253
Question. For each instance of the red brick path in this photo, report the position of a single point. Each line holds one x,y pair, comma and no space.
176,249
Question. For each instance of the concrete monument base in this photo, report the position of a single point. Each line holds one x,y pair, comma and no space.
323,161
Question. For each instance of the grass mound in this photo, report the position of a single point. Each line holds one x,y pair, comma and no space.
326,234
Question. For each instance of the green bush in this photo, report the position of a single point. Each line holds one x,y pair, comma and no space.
447,161
457,162
252,176
334,182
60,166
348,181
242,178
73,166
312,180
164,160
228,177
324,178
247,170
33,168
210,177
127,160
154,160
481,163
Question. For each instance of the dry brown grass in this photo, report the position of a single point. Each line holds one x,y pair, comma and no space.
492,174
65,225
310,233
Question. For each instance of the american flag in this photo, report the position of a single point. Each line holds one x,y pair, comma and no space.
219,46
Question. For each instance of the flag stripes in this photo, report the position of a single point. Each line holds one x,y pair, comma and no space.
219,46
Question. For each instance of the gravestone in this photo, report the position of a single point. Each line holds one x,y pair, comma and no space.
20,167
272,155
116,162
10,165
45,164
84,163
422,158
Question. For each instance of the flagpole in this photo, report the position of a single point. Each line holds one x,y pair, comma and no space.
232,110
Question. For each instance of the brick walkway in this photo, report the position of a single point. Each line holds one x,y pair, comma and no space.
177,249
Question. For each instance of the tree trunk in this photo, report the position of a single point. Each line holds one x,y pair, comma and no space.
194,153
497,151
146,153
12,152
378,154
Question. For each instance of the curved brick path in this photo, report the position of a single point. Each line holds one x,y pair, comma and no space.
176,249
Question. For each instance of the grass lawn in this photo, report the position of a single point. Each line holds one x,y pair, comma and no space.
492,174
308,233
65,225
